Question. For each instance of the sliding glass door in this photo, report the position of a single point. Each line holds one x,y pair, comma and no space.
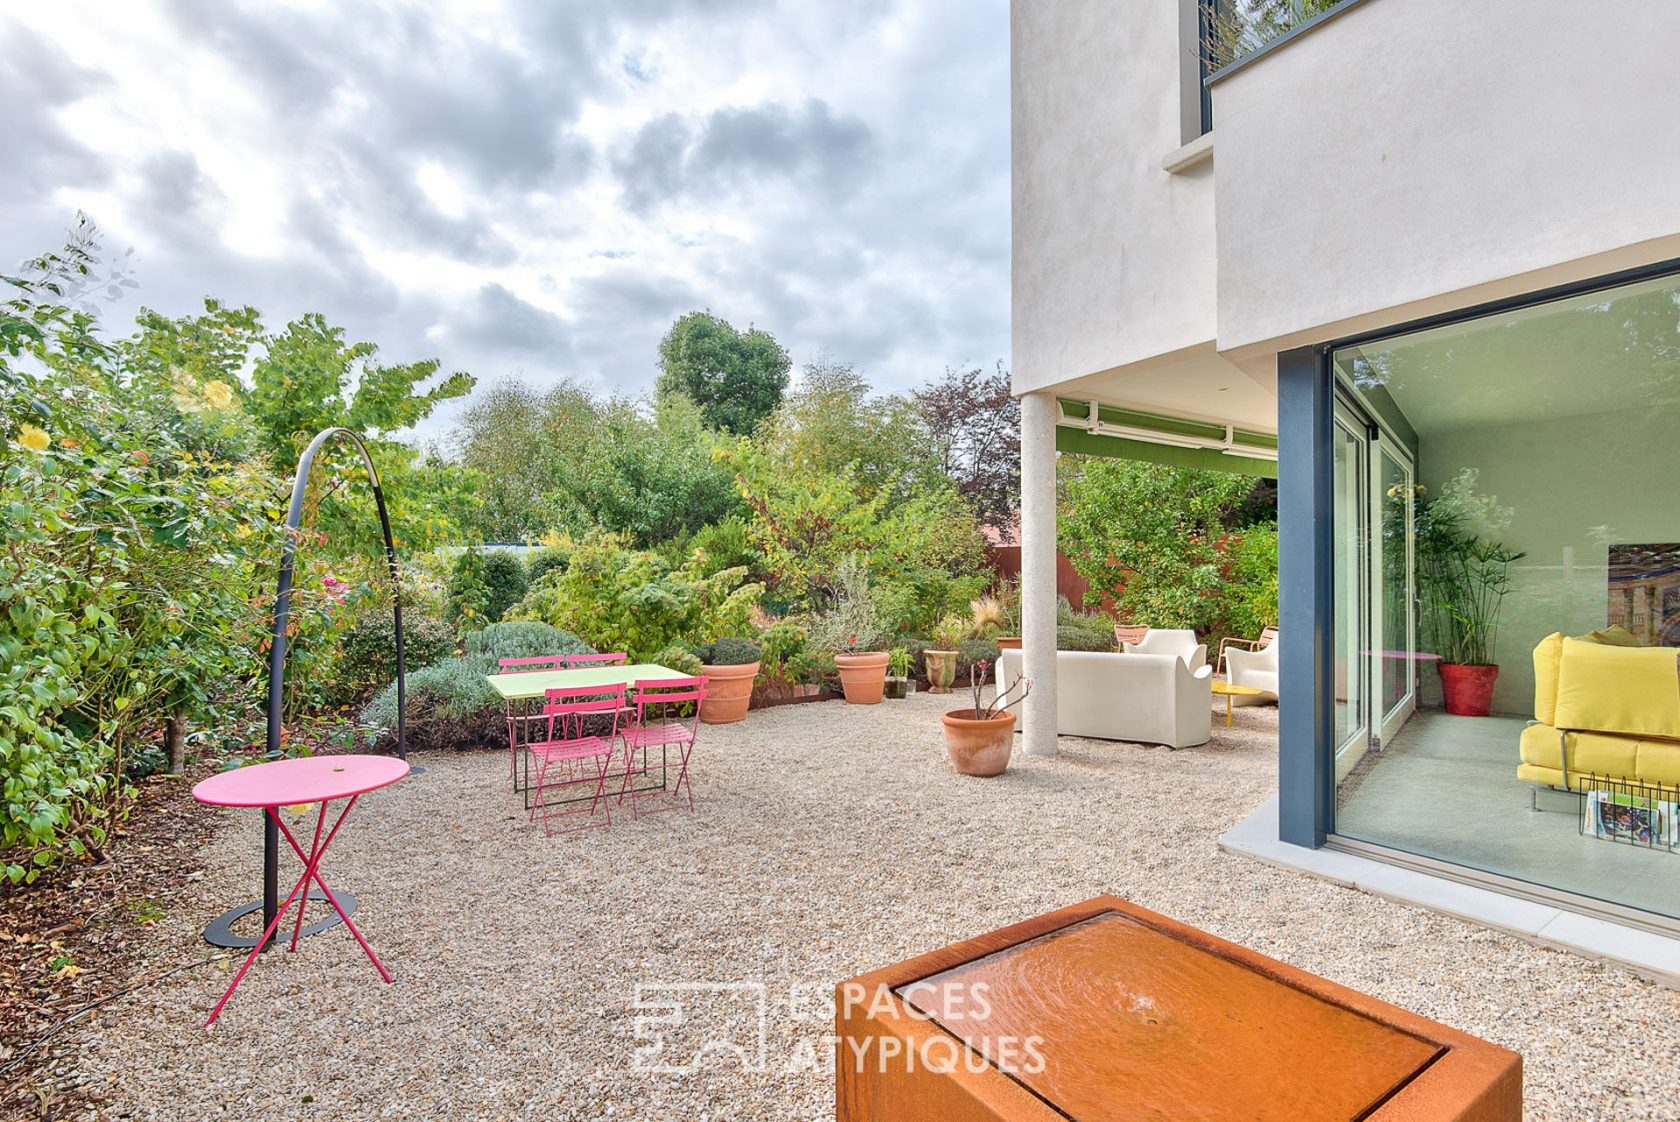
1394,644
1375,633
1350,568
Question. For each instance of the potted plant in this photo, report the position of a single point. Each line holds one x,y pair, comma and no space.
1463,577
731,667
853,631
898,673
979,739
941,660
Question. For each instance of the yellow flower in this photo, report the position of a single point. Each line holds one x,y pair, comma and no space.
218,393
34,439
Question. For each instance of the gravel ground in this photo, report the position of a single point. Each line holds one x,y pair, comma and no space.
830,839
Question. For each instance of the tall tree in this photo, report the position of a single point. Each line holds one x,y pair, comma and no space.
834,422
736,378
977,424
310,378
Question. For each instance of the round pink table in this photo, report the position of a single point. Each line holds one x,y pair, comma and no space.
318,779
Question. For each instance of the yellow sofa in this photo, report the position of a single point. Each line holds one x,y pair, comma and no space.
1602,709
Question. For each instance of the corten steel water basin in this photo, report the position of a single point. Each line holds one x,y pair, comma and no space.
1107,1012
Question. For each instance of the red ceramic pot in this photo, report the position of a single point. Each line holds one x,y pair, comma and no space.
1468,689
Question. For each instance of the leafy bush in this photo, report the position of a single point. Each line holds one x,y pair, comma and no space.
911,602
855,622
971,651
726,544
622,599
732,652
1083,639
368,652
1082,631
1250,595
469,594
1159,540
450,705
543,562
505,583
678,657
523,639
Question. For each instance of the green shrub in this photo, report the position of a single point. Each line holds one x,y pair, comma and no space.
505,583
523,639
726,544
732,652
368,652
971,651
469,595
678,657
1083,639
450,706
854,624
545,561
621,599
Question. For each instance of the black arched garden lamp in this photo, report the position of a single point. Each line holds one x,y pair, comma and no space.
219,933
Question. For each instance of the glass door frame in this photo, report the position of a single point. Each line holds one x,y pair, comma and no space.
1376,722
1388,719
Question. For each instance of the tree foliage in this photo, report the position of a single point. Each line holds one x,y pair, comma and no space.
1165,544
735,377
976,424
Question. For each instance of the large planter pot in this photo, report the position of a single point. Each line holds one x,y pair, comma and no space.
1009,642
863,677
728,693
978,747
941,669
1468,689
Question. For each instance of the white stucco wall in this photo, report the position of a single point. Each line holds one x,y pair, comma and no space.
1414,156
1113,255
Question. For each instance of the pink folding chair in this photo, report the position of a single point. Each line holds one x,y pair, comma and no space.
569,747
578,662
654,728
533,665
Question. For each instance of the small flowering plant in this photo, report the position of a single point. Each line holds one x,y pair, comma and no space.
1000,701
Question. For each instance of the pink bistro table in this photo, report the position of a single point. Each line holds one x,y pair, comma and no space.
318,779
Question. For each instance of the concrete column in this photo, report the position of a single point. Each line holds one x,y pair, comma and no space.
1038,570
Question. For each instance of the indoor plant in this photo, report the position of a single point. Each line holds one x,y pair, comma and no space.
731,667
979,739
898,672
941,660
1463,577
853,631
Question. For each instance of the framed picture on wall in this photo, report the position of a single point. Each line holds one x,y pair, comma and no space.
1644,589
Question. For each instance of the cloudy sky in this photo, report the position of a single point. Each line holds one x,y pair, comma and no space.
534,188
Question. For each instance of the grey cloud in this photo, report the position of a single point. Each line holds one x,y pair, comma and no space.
740,148
498,319
37,79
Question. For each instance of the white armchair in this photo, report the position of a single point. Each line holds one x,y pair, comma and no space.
1168,641
1255,669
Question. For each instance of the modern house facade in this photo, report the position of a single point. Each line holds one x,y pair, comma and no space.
1420,260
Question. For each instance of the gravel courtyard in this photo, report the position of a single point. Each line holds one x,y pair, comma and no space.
830,839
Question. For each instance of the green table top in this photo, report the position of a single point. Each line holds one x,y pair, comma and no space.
514,687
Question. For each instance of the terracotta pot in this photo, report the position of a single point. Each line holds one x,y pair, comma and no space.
863,677
1009,642
728,693
978,747
941,670
1468,689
